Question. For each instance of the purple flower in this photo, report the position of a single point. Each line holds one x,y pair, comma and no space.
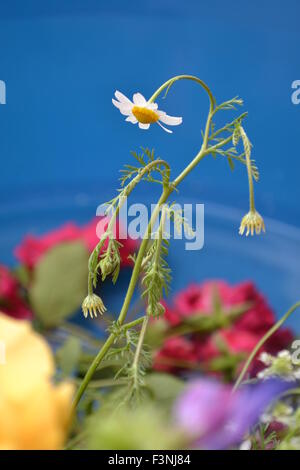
217,418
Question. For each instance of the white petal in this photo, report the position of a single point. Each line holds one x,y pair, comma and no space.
152,106
124,109
170,120
144,126
138,99
122,98
164,128
132,119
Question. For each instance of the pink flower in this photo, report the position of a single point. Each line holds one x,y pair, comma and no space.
11,301
240,337
176,351
199,299
8,284
32,248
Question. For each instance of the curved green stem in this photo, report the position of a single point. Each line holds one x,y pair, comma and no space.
262,342
168,188
212,102
170,82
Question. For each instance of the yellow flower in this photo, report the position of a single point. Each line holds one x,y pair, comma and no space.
34,413
92,305
252,221
143,112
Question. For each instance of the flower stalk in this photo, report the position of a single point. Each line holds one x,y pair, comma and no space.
262,342
167,189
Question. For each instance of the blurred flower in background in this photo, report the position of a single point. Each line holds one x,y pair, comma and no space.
34,412
11,299
215,418
32,248
50,282
215,326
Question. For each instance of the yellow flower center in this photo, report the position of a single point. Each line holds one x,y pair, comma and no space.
144,115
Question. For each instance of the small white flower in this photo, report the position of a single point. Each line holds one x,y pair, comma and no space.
246,445
285,354
141,111
265,358
280,365
262,375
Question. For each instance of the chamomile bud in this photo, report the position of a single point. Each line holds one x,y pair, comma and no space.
252,222
92,305
107,266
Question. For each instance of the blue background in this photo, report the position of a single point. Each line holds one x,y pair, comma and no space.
62,60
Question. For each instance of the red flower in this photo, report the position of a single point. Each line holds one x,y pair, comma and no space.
11,301
8,284
32,247
240,337
199,299
176,352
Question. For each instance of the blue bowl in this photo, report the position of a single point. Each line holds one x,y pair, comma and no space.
271,260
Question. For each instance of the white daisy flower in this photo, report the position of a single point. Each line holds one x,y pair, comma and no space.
142,112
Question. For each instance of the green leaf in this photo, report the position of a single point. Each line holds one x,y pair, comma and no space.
165,387
68,356
231,164
22,273
59,283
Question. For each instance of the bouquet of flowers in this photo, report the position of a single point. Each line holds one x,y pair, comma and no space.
209,370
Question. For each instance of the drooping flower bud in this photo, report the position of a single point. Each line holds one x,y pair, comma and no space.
92,305
253,222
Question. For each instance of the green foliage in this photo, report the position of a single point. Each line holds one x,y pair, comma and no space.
59,283
236,135
179,220
157,277
232,155
264,439
144,158
230,104
164,388
142,428
23,275
110,261
234,130
133,372
68,355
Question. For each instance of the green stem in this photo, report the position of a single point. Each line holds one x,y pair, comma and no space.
121,199
134,278
92,369
262,342
201,153
139,259
133,323
167,190
228,126
247,147
170,82
140,343
90,284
